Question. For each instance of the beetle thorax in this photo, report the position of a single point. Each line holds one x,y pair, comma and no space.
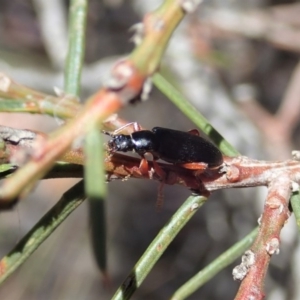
144,141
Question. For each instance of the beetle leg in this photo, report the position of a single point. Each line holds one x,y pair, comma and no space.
159,171
144,170
144,167
160,193
160,197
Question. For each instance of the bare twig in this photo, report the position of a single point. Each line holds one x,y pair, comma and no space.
236,172
275,215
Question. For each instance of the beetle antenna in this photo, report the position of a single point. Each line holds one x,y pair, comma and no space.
107,133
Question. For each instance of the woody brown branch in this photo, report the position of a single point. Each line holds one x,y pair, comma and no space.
236,172
275,215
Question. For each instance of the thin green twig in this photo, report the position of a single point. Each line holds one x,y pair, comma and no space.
71,200
215,267
77,31
295,202
193,114
59,110
158,246
41,231
95,188
94,175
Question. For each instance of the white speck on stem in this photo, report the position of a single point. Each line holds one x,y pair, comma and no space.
189,6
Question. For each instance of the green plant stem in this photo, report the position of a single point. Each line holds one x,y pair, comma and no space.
75,57
215,267
295,202
158,246
59,110
159,26
95,177
193,114
95,188
41,231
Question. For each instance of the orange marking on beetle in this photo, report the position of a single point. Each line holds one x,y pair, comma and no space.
194,166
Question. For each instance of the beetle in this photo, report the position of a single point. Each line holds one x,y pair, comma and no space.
186,149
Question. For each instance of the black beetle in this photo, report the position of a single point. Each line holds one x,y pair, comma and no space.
173,146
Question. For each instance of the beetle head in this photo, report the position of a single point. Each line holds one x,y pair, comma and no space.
120,142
